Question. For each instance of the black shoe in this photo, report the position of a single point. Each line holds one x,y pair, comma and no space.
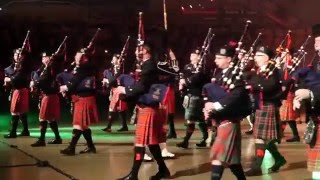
172,136
107,129
10,135
294,139
202,144
55,141
249,132
183,144
160,175
39,143
128,177
123,129
89,150
280,162
253,172
69,151
24,133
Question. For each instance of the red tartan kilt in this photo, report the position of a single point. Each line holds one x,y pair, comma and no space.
267,123
313,162
122,106
150,126
20,101
286,110
85,111
227,145
169,100
50,107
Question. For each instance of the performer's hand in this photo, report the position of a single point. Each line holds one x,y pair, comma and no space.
120,90
63,89
31,86
301,94
296,104
7,79
105,82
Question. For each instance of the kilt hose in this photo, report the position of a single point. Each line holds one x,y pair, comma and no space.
169,100
286,110
227,145
267,123
313,162
20,101
50,107
85,111
150,126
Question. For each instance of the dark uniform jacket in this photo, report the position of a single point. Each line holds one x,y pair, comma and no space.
194,81
47,81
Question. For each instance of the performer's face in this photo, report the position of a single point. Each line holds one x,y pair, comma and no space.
317,43
222,61
15,56
194,58
261,59
45,60
115,60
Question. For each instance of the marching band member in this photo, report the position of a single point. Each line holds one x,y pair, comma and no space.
82,86
111,79
226,149
192,83
267,120
50,103
150,118
308,91
20,96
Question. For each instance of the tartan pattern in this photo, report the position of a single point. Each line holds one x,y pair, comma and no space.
267,123
50,107
115,103
227,145
169,100
286,110
150,126
313,162
20,101
85,111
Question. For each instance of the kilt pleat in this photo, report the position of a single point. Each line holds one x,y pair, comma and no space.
227,145
20,101
50,107
286,110
150,126
267,123
85,111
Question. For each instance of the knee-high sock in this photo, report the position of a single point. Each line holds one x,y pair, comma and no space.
216,172
54,127
293,126
172,130
156,153
122,115
272,148
204,130
24,120
76,133
14,124
87,135
189,132
43,129
137,161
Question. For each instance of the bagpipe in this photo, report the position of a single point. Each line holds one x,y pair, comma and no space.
220,88
140,42
18,64
36,75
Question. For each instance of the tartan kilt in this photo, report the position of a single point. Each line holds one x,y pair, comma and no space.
286,110
20,101
115,103
267,123
50,107
85,111
227,145
150,126
313,162
122,106
169,100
